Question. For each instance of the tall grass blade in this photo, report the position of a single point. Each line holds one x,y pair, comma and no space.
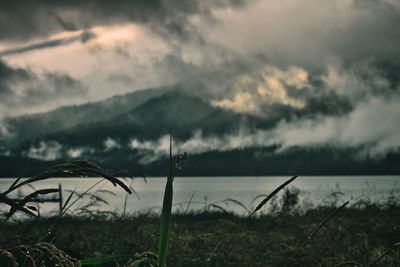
166,213
41,176
105,191
60,199
237,202
327,219
72,169
67,201
19,206
13,204
33,195
81,195
11,188
384,254
126,201
272,194
108,177
218,207
190,202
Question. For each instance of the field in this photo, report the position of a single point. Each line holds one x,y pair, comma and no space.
286,234
222,239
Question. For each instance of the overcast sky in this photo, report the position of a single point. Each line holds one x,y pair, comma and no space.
339,59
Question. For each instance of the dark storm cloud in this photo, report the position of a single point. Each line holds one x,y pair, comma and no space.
357,106
23,91
22,20
244,60
68,26
82,37
311,32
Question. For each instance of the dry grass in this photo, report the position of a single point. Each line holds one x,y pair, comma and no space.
352,235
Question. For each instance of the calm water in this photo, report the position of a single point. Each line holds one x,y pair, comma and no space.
315,190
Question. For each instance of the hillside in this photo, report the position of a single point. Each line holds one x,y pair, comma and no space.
103,132
35,126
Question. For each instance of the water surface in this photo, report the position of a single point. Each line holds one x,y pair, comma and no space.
205,191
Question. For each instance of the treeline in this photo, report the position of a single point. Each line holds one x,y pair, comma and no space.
251,162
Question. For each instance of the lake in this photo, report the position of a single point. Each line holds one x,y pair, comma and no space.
210,192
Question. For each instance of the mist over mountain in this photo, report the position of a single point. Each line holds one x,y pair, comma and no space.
38,125
131,132
247,87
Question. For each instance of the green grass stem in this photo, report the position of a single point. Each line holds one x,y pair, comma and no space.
166,213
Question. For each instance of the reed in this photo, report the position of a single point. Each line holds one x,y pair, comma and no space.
327,219
166,213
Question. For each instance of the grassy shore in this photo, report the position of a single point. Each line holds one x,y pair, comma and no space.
222,239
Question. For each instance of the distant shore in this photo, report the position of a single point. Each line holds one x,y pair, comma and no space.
246,162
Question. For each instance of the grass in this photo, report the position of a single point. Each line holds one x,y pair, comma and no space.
166,213
83,169
283,238
278,239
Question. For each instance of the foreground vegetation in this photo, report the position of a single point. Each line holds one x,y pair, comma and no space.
222,239
362,234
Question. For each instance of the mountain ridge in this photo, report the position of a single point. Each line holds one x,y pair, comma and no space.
29,127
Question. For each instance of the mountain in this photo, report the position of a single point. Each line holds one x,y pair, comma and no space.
35,126
103,132
174,109
178,111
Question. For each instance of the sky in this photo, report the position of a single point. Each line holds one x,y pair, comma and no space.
336,63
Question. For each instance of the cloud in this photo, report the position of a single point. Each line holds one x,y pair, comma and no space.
309,32
268,86
151,150
207,44
3,128
48,151
353,106
372,124
242,102
22,90
277,94
111,144
82,37
75,153
22,20
352,130
314,72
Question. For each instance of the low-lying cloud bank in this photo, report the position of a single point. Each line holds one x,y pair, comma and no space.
369,120
52,150
354,105
364,127
372,126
